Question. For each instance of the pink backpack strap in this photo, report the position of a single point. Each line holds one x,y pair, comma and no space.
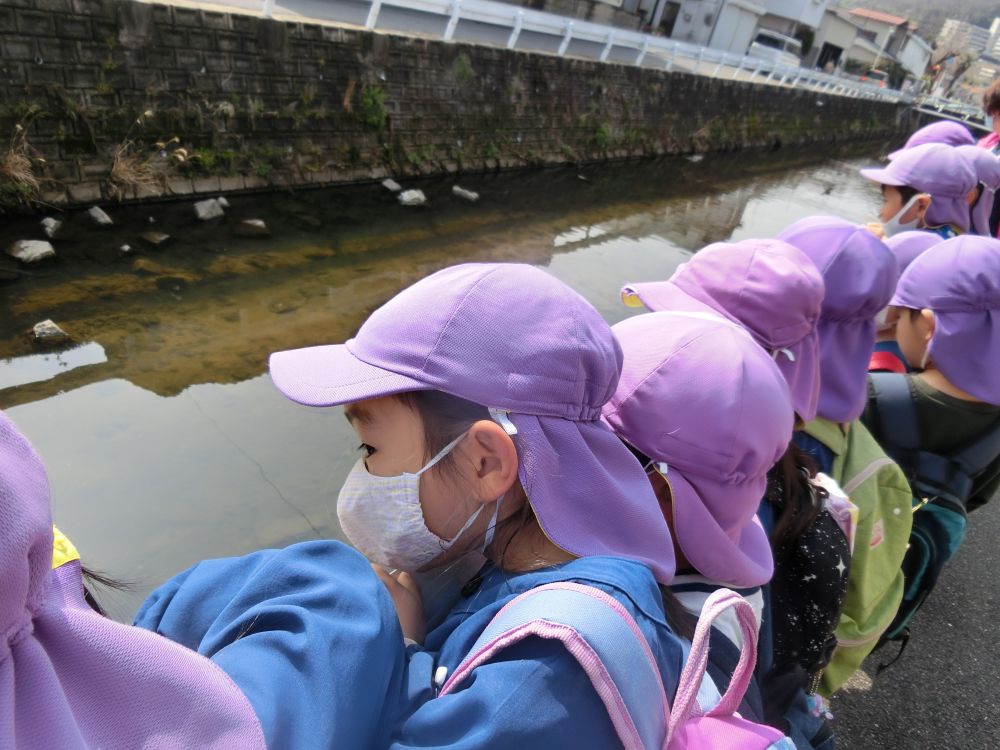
685,702
603,637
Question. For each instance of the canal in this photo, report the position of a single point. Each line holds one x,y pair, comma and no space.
166,443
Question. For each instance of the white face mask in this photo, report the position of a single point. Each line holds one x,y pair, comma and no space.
895,226
382,517
881,320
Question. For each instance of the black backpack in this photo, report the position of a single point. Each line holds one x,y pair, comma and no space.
941,487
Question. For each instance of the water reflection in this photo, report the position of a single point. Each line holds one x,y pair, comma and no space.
35,368
178,448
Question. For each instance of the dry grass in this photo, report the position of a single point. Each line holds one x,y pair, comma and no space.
16,165
130,172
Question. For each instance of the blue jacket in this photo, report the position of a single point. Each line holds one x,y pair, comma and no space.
310,635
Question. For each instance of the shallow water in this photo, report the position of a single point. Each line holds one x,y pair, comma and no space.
164,439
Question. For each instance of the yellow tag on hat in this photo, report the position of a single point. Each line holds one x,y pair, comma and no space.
63,550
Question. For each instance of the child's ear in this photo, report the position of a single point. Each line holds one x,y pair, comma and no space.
923,203
494,457
929,323
973,195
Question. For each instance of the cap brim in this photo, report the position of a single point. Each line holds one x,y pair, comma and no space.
895,153
743,562
881,176
332,375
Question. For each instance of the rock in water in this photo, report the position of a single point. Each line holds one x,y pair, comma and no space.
391,185
252,228
209,209
222,201
48,332
100,218
463,193
412,198
31,251
51,226
155,238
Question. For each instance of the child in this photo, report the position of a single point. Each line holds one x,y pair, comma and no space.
74,679
859,272
942,423
907,247
476,396
926,187
987,168
943,131
775,292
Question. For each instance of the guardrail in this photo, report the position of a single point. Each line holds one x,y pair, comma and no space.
630,47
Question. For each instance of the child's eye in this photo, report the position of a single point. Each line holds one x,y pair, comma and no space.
366,449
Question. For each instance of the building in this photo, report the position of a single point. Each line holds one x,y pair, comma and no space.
962,38
720,24
993,45
791,17
834,38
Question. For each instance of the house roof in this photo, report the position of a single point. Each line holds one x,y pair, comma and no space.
877,15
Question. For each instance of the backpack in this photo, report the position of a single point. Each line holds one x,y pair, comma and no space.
604,638
877,486
941,487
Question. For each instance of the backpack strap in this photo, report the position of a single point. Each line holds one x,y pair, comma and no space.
976,456
685,703
603,637
897,414
883,361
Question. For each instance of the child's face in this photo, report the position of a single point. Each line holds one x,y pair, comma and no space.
913,333
892,204
392,443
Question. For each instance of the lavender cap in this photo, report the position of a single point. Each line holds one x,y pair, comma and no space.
960,282
938,170
72,678
859,272
767,286
908,246
942,131
508,336
702,396
987,168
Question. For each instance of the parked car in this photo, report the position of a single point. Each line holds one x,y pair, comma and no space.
776,48
876,77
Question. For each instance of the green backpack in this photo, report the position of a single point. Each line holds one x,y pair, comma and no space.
878,487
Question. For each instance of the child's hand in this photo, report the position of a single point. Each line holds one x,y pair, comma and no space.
876,228
406,596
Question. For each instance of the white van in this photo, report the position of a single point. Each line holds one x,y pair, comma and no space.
776,48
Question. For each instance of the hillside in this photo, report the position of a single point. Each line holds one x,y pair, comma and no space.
931,14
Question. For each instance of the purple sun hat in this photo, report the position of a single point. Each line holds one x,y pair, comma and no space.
987,168
939,170
701,396
767,286
514,338
908,246
859,272
75,679
960,282
942,131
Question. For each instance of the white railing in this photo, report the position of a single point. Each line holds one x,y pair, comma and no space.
632,47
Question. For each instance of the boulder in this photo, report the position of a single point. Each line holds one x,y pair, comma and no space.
100,217
466,194
31,251
222,201
391,185
48,332
252,228
125,250
412,198
209,209
51,226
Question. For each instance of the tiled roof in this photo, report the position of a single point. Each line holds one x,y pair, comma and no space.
877,15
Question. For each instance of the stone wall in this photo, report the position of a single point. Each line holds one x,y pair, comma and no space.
118,100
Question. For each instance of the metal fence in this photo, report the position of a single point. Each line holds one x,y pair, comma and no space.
575,38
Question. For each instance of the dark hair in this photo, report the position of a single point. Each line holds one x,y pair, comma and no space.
94,577
444,418
905,191
790,490
991,98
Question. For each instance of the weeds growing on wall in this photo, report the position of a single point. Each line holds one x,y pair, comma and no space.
19,185
131,170
371,107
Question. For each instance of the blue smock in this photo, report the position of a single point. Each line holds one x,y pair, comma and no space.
310,634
